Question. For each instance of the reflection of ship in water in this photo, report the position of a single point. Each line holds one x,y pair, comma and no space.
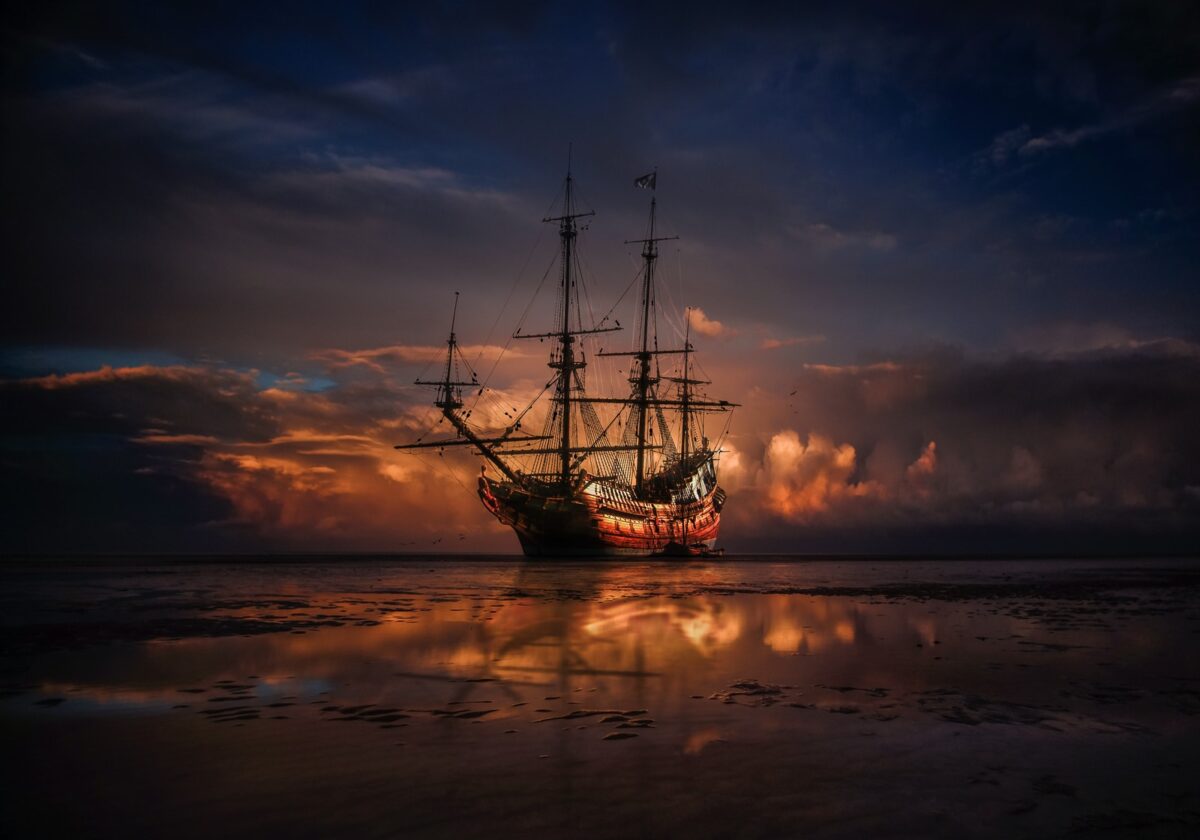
560,629
642,480
575,628
564,624
624,638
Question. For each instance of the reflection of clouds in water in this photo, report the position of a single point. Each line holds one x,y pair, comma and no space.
595,625
814,624
706,624
697,741
486,637
629,694
805,624
106,699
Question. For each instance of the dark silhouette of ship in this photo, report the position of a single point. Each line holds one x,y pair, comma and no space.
629,474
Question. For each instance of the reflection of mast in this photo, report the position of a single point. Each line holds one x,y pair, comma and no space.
561,623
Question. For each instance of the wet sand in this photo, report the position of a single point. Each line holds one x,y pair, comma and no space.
482,698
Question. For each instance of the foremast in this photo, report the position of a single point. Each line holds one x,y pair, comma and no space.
449,401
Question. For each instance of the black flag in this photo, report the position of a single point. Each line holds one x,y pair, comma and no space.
646,182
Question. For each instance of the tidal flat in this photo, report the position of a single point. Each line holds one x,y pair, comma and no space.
486,697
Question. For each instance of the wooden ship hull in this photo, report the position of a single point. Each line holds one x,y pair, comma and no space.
603,520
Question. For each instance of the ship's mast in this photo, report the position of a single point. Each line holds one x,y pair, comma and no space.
566,231
447,398
566,363
564,458
687,393
649,254
643,381
685,397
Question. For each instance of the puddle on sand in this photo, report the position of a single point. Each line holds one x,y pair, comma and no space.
988,698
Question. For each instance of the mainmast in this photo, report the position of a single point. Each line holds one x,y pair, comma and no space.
566,363
566,232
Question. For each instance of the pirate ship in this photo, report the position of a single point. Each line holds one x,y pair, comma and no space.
632,473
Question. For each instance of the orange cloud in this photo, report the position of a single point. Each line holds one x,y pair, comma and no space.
854,370
791,341
373,501
805,480
926,463
924,441
802,479
107,374
154,436
706,326
301,469
376,358
919,474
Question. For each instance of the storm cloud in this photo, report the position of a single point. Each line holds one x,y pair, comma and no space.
939,450
987,451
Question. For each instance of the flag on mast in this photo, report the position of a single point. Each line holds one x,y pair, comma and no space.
646,182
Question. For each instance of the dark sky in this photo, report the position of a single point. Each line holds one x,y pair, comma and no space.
964,235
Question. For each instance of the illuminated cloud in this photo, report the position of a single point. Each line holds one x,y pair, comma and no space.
991,451
706,326
791,341
244,465
803,479
195,456
109,374
854,370
160,438
379,358
919,475
817,479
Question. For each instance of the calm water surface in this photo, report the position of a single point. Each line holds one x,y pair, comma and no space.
470,698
